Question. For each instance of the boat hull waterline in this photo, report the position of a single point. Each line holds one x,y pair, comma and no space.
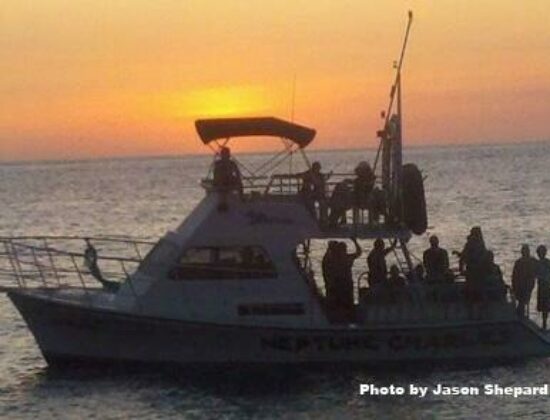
66,332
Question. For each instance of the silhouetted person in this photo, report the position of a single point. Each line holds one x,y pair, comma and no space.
344,279
494,281
419,274
436,262
363,185
90,261
377,205
395,279
340,201
472,256
329,267
376,262
397,284
415,279
523,279
416,275
314,190
543,285
227,176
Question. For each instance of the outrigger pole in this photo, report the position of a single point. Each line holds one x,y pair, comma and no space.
391,147
396,89
391,142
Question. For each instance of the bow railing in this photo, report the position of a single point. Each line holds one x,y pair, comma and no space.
60,261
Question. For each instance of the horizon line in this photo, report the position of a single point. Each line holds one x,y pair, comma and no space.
264,152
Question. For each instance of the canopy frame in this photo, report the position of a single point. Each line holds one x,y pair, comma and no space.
217,132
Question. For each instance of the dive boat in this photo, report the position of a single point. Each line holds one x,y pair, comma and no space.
236,281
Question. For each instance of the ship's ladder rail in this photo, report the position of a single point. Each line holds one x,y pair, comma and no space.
60,261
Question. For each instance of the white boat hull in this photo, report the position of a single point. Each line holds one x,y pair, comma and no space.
66,332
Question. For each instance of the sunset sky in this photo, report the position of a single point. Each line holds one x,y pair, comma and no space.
95,78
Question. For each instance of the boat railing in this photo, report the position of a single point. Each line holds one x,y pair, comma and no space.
291,184
354,219
60,261
435,303
286,184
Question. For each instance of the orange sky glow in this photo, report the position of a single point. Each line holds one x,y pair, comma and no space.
85,79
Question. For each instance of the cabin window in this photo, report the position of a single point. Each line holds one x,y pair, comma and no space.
221,263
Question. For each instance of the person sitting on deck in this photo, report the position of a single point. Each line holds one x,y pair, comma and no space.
340,201
436,262
376,262
363,185
397,284
523,279
415,280
494,282
227,176
543,285
90,261
377,206
314,189
419,274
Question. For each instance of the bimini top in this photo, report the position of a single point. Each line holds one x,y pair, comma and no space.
224,128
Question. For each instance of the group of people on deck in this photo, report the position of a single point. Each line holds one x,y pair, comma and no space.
337,267
528,270
480,268
477,263
483,277
359,193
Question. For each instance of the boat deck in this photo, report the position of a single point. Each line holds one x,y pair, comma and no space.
356,224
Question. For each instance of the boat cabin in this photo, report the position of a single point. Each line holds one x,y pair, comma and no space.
251,252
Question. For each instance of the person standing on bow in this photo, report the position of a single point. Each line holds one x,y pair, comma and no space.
523,279
543,285
363,185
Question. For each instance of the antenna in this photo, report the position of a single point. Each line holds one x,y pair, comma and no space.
293,102
292,115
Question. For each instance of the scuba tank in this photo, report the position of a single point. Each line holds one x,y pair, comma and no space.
415,215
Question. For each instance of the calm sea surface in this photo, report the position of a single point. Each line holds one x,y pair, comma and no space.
505,189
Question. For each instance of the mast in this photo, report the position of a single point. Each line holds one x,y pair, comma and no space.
391,139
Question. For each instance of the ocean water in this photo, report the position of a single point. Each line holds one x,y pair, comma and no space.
504,189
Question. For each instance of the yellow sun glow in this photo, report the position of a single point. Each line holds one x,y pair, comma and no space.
219,102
